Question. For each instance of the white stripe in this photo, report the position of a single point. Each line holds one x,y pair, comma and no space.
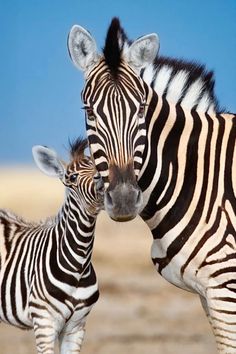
162,79
192,94
176,86
148,74
203,103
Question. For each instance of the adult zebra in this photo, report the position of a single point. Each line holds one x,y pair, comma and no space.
47,281
116,98
183,154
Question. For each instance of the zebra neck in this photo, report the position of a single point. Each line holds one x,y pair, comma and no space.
171,154
76,230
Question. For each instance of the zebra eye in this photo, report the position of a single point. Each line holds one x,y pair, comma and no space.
73,177
90,113
141,111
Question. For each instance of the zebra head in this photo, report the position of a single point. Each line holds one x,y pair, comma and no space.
79,175
115,102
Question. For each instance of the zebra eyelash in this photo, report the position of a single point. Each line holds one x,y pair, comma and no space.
89,111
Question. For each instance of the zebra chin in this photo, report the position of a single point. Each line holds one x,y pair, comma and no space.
124,202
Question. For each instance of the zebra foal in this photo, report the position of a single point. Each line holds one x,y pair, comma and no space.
47,281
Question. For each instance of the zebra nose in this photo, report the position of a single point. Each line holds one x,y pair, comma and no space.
124,202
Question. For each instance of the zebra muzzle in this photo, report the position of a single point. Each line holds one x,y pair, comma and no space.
124,202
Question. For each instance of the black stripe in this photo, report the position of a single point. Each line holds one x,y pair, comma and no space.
230,151
160,122
214,192
183,201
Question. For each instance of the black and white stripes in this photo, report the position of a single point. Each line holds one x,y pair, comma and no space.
47,281
182,82
188,181
118,92
186,170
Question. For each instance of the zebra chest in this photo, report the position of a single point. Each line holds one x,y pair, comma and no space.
76,305
64,302
171,267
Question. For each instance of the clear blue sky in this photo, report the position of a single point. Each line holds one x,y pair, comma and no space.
39,86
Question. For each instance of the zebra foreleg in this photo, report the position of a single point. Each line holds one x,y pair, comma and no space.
45,336
71,338
221,308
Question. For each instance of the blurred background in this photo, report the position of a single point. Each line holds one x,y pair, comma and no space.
40,88
40,104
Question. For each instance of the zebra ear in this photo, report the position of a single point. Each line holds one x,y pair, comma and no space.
82,48
48,161
143,51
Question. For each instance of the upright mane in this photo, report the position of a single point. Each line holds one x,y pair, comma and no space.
77,147
194,71
114,44
181,81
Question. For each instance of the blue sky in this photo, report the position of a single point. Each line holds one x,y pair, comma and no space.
40,88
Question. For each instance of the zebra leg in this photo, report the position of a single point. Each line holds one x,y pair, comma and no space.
221,308
71,338
45,336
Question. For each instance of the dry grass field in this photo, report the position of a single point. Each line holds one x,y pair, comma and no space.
137,311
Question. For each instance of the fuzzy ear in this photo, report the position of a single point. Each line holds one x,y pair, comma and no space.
48,161
142,51
82,48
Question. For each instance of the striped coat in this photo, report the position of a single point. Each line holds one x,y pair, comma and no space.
166,152
47,281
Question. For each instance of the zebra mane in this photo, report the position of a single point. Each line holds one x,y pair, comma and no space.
181,81
16,219
190,72
114,44
77,147
12,217
195,69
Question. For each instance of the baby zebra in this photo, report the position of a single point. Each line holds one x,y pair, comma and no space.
47,280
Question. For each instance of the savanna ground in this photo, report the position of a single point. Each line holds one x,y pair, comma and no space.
138,312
